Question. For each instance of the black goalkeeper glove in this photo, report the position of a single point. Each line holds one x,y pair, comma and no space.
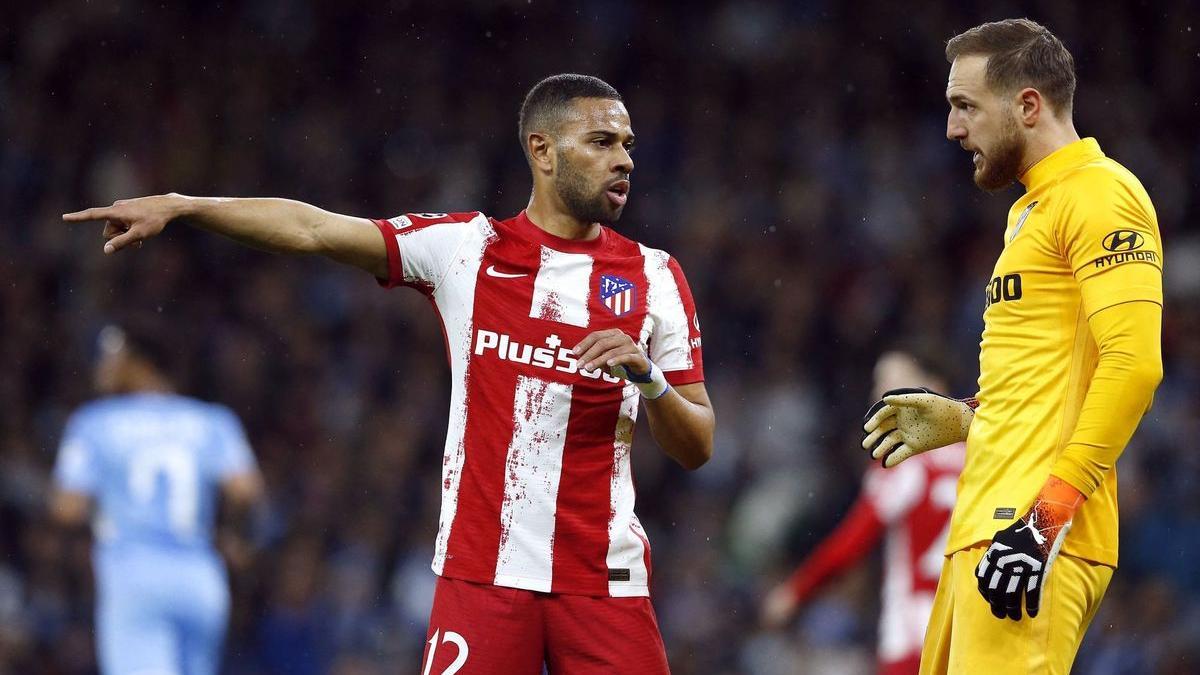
1019,560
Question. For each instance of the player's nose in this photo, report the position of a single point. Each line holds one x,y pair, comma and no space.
955,131
624,162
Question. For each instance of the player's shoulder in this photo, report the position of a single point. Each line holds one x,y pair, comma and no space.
412,222
1103,176
92,410
211,409
656,258
618,244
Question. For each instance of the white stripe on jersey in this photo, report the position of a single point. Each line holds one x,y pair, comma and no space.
626,549
456,303
531,473
560,291
669,349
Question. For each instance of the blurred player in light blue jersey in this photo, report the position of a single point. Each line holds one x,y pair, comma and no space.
153,464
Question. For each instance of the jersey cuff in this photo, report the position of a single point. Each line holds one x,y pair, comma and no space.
680,377
395,268
1119,296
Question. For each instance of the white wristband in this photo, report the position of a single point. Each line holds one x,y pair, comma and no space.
652,385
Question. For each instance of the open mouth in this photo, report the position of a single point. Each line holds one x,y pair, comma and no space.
618,192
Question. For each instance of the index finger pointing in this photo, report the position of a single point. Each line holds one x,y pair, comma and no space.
96,213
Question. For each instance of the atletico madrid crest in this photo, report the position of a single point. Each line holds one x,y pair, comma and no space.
617,294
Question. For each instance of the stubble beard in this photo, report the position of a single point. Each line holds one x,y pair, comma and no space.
581,202
1002,165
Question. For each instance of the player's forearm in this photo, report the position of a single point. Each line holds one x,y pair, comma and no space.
275,225
849,543
1122,388
69,509
682,428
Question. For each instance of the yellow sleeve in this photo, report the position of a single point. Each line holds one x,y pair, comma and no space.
1129,369
1108,233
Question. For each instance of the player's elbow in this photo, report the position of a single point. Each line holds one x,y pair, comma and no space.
1146,375
695,453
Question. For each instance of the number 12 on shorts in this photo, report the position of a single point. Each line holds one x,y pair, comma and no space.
452,637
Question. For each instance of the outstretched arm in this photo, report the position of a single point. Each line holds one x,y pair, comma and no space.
275,225
838,552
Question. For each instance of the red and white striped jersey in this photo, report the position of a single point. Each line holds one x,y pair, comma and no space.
913,500
537,491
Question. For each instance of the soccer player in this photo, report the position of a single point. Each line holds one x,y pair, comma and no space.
152,464
1069,361
556,328
910,506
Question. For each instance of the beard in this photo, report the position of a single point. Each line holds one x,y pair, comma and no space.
1002,165
584,202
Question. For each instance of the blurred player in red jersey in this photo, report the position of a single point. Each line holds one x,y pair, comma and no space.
556,329
909,505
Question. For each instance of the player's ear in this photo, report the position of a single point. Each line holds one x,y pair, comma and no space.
541,151
1030,106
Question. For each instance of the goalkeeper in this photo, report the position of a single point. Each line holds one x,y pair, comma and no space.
1068,364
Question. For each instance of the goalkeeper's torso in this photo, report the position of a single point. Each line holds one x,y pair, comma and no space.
1036,361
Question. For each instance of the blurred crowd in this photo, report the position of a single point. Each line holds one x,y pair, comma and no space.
790,154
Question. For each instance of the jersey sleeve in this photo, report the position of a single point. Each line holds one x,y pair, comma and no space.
232,450
422,246
1129,339
76,469
854,537
1108,233
675,343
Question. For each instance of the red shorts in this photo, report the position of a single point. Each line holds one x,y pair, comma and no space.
907,666
492,630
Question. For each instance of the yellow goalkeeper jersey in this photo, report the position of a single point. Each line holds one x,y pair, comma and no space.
1083,238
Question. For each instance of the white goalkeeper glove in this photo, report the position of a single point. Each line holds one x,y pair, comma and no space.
909,421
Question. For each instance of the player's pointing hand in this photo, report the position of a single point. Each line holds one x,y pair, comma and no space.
130,221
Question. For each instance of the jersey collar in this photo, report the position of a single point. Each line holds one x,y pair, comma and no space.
1067,157
531,231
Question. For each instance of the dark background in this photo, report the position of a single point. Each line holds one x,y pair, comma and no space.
791,156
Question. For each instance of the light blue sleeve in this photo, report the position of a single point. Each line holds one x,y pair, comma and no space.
77,467
233,452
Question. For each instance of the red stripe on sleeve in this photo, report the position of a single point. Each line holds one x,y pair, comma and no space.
852,539
395,267
696,372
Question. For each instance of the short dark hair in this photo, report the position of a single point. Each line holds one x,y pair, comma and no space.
1021,53
545,103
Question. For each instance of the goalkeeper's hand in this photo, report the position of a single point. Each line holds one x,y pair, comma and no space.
1019,559
909,421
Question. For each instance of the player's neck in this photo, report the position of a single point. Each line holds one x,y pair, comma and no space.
145,381
554,219
1047,141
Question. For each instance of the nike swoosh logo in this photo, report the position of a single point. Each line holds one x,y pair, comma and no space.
492,272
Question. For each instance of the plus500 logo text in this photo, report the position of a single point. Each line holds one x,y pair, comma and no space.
551,357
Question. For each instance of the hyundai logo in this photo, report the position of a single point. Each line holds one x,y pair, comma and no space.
1123,240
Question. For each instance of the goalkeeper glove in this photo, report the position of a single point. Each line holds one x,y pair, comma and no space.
909,421
1019,559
